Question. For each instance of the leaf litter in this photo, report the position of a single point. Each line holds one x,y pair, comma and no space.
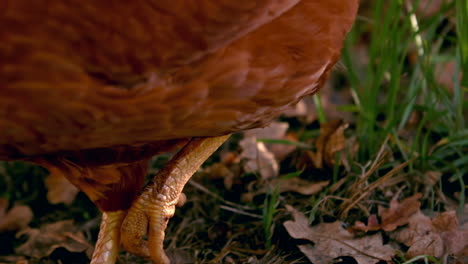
17,218
331,240
41,242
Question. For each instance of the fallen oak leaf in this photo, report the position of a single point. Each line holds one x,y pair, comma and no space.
399,213
372,225
435,237
276,131
43,241
258,158
331,241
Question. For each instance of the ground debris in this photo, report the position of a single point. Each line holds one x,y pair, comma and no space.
435,237
331,241
43,241
330,142
295,184
17,218
397,215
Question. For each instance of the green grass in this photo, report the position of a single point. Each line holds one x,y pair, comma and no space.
269,210
462,34
389,91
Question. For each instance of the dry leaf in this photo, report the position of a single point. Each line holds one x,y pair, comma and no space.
59,189
13,259
399,213
436,237
220,171
276,130
372,225
330,142
258,158
42,242
178,255
16,218
332,241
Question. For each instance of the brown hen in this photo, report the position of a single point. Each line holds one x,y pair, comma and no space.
93,89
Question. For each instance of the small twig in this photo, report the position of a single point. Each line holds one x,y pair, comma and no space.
376,184
179,230
377,163
214,195
232,209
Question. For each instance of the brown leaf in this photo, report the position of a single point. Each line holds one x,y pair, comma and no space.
436,237
59,189
221,171
331,240
13,259
276,130
330,142
179,255
372,225
399,213
16,218
258,158
42,242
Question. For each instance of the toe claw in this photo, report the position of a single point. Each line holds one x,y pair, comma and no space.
181,200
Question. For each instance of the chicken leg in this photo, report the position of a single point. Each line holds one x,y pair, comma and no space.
156,205
107,246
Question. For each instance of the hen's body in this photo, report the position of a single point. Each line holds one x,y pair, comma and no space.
94,88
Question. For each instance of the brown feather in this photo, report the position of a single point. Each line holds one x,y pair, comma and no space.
79,77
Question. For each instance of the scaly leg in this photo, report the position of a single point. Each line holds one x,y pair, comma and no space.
107,246
156,205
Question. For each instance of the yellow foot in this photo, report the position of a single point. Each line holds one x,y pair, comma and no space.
107,246
156,205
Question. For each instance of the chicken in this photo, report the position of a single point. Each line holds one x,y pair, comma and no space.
94,89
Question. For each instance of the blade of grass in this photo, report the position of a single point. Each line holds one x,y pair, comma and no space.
462,34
